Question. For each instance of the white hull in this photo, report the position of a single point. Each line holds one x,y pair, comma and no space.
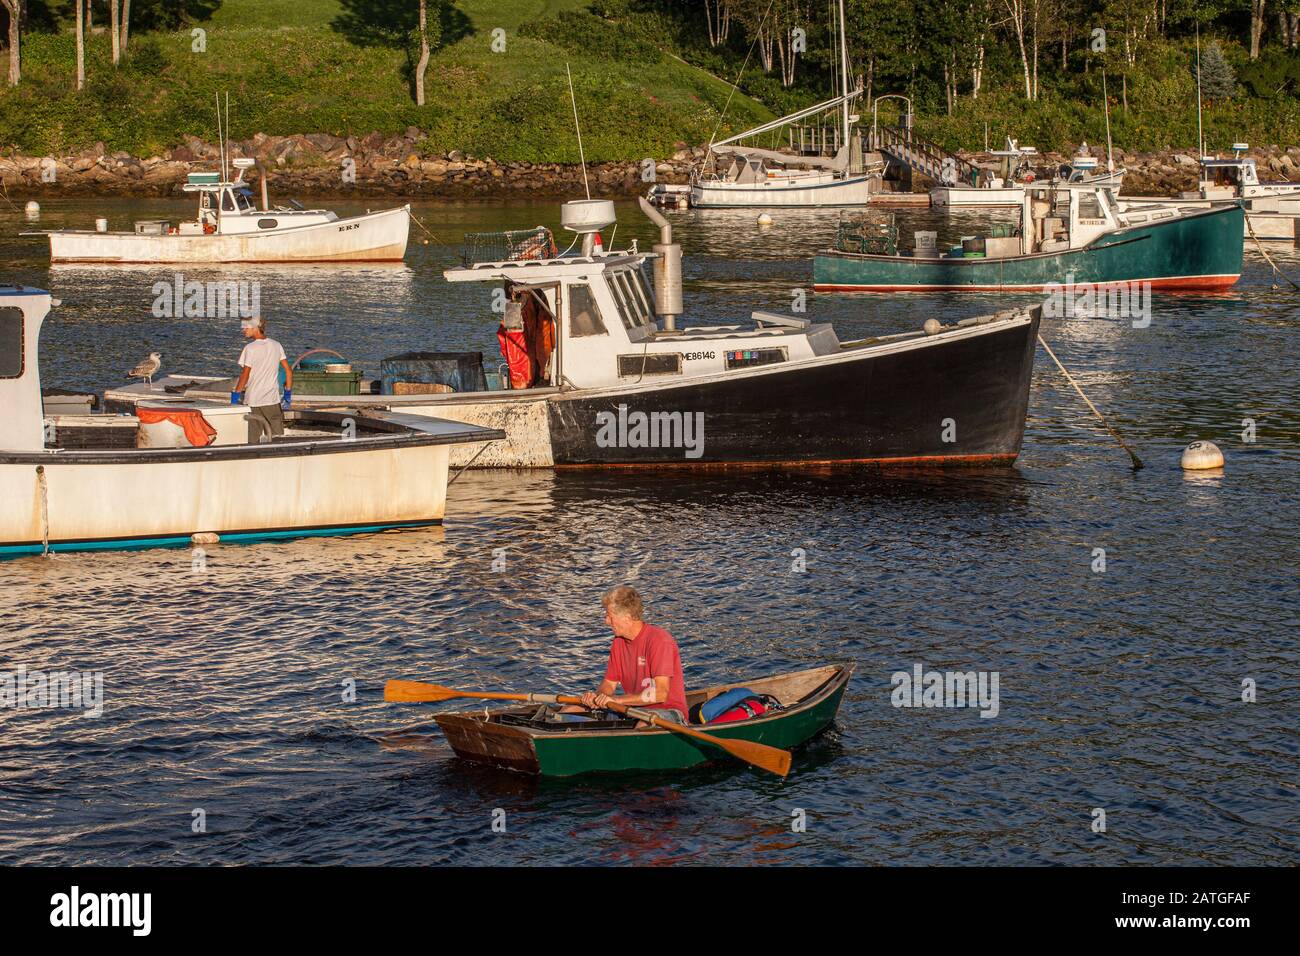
374,237
779,193
972,196
129,499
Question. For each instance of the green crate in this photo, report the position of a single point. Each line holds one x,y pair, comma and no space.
326,383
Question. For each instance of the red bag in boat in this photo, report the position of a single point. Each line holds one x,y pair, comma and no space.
747,708
514,349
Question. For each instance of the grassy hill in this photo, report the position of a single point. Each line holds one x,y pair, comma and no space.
289,68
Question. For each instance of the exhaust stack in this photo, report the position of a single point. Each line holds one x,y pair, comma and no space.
667,268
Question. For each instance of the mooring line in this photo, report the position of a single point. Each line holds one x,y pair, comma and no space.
1137,462
1267,257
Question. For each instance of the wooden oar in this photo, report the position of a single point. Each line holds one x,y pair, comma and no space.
771,759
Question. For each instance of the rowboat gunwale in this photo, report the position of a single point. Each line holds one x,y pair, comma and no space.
512,747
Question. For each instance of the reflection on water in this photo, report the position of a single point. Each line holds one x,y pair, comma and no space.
225,688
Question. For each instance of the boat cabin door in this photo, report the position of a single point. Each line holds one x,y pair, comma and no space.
527,335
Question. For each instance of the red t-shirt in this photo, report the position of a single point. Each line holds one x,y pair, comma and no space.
636,663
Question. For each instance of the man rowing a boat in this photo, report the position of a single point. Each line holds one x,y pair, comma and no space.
643,660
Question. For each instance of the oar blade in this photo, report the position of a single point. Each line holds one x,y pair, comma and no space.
417,692
771,759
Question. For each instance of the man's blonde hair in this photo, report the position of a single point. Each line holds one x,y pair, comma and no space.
624,601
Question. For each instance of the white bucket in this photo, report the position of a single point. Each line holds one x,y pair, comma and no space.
101,225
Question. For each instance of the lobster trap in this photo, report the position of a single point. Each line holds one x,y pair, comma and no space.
509,246
876,236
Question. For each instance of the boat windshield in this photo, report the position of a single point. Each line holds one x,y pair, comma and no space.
628,287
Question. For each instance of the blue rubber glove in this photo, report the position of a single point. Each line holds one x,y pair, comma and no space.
287,400
236,398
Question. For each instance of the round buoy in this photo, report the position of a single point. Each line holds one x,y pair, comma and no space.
205,537
932,327
1201,456
33,209
764,220
683,203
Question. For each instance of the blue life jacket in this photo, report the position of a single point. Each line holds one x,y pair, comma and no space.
724,702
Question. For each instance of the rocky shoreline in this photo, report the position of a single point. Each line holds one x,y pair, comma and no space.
319,164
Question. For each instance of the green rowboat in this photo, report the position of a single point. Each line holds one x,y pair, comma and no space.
530,739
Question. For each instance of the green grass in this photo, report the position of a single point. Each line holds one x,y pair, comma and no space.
287,71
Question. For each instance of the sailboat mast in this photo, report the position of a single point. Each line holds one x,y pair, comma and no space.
1200,134
844,73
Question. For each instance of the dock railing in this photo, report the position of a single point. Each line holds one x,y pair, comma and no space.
928,159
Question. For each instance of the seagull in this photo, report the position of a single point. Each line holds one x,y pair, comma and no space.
148,368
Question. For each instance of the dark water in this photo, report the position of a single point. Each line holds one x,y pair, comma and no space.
1119,690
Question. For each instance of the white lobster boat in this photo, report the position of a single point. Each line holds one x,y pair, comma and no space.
334,472
1272,209
230,228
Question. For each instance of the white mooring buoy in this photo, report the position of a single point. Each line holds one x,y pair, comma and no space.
932,327
33,210
764,219
1202,456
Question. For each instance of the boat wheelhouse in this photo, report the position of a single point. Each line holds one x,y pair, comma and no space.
230,227
176,467
1068,232
1272,208
604,371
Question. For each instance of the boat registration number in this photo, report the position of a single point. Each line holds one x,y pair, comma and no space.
355,225
697,356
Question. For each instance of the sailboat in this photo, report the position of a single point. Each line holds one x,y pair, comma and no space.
747,176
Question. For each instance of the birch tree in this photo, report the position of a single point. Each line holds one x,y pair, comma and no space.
423,64
81,43
15,10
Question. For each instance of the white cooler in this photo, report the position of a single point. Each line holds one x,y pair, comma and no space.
230,422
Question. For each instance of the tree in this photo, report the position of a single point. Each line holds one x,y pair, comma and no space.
14,9
717,14
1256,26
81,43
114,28
1218,82
423,64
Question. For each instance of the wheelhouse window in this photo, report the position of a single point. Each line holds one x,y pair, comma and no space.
227,201
584,316
632,298
1089,206
652,363
11,342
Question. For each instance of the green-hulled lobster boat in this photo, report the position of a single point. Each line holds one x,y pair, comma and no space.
1068,234
533,739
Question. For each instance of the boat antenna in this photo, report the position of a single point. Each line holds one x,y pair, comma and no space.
221,143
576,125
1105,98
225,164
1200,134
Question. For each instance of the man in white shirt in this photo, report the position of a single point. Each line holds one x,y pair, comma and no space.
259,382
